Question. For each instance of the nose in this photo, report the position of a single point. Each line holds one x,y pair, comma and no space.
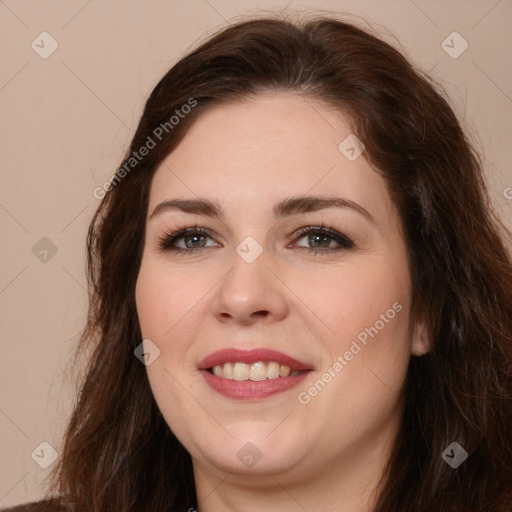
250,292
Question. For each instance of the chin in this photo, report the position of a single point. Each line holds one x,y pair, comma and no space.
249,452
250,461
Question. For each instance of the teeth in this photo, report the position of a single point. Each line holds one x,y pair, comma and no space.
241,371
228,371
284,371
273,370
256,371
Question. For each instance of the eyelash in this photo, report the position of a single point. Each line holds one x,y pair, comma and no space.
165,243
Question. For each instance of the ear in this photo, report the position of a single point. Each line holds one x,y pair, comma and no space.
421,343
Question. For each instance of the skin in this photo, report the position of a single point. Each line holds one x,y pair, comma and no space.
327,454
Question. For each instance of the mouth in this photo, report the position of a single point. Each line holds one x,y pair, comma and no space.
252,374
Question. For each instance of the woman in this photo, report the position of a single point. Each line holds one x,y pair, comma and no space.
300,298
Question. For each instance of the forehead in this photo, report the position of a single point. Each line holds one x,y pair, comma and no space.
249,155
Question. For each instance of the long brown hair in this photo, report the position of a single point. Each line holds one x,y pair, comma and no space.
120,455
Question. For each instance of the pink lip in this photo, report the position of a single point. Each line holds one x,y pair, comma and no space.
232,355
251,390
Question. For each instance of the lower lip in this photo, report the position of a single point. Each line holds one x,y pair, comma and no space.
249,389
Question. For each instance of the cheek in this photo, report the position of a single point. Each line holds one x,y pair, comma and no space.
166,300
369,349
352,298
364,313
166,306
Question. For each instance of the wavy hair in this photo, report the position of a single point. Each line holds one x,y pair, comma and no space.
120,455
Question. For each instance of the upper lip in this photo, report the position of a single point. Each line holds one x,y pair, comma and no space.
233,355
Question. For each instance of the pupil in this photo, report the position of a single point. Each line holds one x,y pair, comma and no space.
313,238
195,237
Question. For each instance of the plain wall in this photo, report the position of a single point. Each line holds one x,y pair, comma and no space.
66,121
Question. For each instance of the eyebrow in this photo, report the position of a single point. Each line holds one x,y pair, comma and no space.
284,208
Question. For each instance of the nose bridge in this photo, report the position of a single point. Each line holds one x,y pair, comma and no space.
250,286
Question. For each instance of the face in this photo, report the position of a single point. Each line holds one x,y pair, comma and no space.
333,303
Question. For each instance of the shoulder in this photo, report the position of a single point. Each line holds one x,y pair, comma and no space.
37,506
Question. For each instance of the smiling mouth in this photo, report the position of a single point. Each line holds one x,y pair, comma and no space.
257,371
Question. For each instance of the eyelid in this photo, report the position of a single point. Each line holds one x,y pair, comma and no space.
166,241
342,239
169,237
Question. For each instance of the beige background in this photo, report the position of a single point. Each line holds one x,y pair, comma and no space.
67,120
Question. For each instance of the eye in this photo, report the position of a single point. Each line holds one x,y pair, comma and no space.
192,237
323,237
